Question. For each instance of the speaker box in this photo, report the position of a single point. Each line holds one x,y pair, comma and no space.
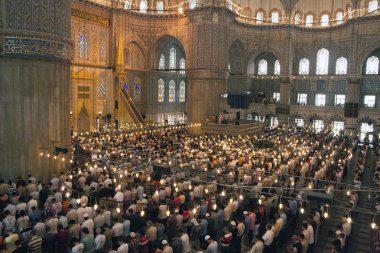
351,110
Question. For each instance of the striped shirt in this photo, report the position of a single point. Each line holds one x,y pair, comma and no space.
35,245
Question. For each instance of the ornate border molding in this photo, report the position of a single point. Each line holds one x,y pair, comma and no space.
35,48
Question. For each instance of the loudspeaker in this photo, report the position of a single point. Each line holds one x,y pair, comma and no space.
351,110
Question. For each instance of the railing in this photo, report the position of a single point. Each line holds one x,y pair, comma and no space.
241,16
132,107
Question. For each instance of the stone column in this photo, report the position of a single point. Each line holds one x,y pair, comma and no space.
207,64
34,90
284,91
353,91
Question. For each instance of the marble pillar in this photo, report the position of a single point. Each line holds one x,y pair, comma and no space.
35,84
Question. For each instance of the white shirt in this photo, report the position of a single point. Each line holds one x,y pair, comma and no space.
88,224
78,248
311,232
123,248
99,242
185,243
117,229
268,237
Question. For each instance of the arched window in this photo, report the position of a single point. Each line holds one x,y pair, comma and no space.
259,17
193,4
373,5
161,90
161,64
160,6
82,43
309,20
102,46
277,68
297,19
304,67
372,66
171,91
325,20
275,17
263,68
339,17
102,85
182,91
182,66
128,4
341,66
143,6
172,58
322,62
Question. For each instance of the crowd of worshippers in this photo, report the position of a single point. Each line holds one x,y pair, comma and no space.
236,198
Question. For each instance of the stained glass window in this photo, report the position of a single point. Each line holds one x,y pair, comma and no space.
277,68
322,62
297,19
341,66
182,91
171,91
309,20
373,5
304,67
161,90
339,17
372,66
337,127
102,85
102,46
161,64
325,20
172,58
320,100
182,66
340,99
318,125
193,4
160,6
128,4
275,17
259,17
263,68
82,43
143,6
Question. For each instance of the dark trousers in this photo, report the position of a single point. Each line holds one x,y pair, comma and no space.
310,249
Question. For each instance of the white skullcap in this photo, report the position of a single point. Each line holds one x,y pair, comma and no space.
164,242
207,237
233,223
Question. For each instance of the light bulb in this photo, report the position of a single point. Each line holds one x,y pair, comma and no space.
302,210
62,188
214,206
118,210
142,213
194,210
373,225
156,192
149,179
280,205
95,206
326,215
78,201
241,197
67,194
309,186
167,212
259,178
260,201
349,220
348,193
223,193
190,187
41,154
231,200
206,190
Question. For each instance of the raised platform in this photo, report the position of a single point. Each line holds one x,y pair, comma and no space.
244,128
